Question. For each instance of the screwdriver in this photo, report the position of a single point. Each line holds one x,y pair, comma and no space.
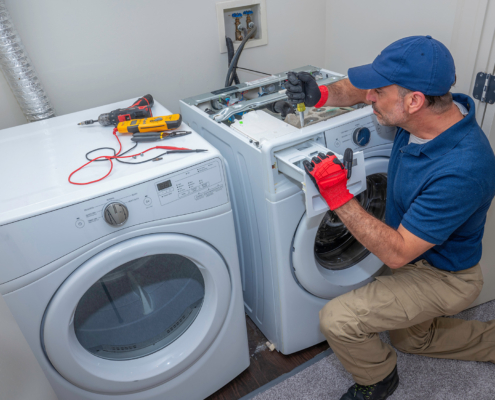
300,106
140,109
149,137
161,134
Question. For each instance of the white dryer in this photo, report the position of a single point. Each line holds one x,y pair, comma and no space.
130,287
294,254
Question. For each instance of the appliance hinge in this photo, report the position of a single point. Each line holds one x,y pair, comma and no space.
484,88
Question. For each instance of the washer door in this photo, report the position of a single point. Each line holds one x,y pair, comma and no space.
137,314
327,260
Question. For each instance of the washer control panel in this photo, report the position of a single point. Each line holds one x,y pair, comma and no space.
359,134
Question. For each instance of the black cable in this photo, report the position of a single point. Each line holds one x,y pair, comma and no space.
230,77
101,148
230,51
154,158
252,70
139,162
122,154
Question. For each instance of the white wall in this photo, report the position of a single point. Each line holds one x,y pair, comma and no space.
21,377
357,30
10,112
89,53
93,52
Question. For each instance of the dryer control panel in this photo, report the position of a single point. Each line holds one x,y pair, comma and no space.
184,192
200,182
36,241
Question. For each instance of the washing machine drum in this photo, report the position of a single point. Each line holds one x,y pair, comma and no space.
327,260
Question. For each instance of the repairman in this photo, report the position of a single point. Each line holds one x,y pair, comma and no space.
441,182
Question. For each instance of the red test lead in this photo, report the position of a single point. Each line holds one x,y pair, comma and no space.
117,156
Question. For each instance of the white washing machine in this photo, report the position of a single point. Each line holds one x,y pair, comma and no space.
127,288
295,255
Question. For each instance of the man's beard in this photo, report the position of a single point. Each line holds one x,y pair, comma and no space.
382,121
397,118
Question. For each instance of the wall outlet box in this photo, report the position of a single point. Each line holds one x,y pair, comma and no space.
226,26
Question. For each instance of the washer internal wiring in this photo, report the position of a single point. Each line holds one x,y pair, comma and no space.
117,155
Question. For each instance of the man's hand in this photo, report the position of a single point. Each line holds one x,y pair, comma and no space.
338,94
330,177
302,88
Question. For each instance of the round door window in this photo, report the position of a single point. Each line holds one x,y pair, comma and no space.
140,307
335,247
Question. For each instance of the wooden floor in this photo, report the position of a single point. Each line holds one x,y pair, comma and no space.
265,365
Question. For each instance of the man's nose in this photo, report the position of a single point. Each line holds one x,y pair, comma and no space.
371,95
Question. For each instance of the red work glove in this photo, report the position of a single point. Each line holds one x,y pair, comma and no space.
330,177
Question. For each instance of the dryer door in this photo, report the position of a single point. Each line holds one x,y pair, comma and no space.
327,260
137,314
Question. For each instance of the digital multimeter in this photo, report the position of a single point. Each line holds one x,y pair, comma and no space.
155,124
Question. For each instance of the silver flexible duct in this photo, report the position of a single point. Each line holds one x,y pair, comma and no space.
19,72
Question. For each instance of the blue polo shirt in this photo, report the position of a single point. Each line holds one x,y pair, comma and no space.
441,190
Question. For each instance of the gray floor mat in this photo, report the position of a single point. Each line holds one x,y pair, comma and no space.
421,377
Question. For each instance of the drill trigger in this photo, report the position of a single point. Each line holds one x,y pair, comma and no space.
125,117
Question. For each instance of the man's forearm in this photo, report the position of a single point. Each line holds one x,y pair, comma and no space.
383,241
344,94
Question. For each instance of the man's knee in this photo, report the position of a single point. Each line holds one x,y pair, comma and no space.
337,321
406,341
398,338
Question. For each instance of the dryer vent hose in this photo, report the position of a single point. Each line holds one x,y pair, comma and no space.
19,72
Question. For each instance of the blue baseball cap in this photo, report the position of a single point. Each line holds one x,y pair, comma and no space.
418,63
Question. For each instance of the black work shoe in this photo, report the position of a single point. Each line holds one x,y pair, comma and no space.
379,391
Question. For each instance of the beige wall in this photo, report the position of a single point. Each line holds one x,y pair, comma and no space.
93,52
357,30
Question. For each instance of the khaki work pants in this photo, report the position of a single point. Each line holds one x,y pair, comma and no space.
410,304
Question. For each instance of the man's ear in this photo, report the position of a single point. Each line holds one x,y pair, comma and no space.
414,102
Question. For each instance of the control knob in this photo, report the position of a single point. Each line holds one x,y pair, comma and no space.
361,136
116,214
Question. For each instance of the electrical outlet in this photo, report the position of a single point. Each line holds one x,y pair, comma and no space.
226,12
